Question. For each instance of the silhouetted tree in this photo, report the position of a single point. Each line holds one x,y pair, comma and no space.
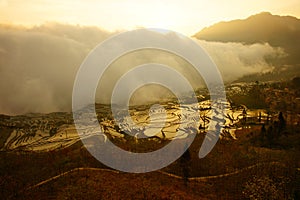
204,117
259,117
268,116
244,115
163,134
296,82
281,123
263,133
185,165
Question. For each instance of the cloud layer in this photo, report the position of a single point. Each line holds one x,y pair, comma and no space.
236,60
38,65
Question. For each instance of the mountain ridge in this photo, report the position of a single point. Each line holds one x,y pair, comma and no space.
278,31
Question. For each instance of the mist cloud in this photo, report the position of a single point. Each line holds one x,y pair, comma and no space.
236,60
38,65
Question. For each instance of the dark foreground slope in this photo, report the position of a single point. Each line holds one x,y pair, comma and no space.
235,169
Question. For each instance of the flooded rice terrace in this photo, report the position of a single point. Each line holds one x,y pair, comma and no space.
44,132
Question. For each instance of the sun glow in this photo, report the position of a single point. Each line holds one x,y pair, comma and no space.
186,17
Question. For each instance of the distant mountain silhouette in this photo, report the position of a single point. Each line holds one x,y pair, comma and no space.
278,31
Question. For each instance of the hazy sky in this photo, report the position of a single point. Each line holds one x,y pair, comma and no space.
187,16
